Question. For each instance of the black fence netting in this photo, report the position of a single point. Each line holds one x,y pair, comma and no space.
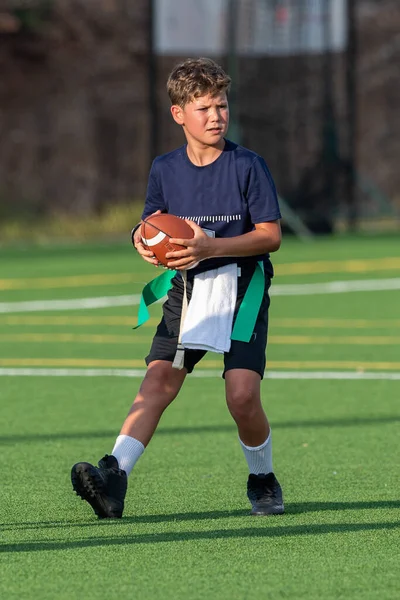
83,106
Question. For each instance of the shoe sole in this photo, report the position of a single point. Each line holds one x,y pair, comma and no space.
276,510
87,484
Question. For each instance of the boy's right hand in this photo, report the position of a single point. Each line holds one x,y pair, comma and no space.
147,255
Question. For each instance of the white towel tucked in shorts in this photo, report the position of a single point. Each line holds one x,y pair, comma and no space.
209,317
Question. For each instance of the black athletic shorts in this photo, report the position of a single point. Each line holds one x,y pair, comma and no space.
242,355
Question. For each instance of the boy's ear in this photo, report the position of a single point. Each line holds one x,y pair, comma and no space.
177,114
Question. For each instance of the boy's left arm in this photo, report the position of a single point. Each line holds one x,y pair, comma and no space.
266,237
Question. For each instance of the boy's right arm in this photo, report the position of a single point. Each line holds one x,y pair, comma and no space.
154,205
147,255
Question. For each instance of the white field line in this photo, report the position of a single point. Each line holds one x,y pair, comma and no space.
339,375
336,287
301,289
76,304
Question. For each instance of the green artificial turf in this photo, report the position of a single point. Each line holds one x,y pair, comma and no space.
186,532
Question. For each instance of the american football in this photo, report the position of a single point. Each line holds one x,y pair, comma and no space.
157,231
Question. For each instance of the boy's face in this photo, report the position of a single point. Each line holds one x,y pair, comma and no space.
205,119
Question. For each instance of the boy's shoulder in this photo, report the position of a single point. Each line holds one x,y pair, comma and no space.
232,149
168,157
241,153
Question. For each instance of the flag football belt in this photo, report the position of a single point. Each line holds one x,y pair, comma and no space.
246,317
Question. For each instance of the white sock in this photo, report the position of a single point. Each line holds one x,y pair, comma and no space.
259,458
127,450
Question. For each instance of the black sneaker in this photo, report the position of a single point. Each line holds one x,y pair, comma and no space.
104,487
265,495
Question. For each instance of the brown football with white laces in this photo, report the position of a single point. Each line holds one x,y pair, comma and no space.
157,230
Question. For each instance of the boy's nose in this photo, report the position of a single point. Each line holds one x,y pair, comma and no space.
214,114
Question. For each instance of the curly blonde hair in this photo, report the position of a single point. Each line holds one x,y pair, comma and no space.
196,77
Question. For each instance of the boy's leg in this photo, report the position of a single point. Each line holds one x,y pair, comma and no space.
104,487
244,403
244,369
159,388
243,397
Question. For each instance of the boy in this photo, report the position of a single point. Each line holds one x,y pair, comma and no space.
228,189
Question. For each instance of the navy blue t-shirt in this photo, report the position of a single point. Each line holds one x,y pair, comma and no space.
228,196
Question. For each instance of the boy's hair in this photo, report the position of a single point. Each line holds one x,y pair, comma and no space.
196,77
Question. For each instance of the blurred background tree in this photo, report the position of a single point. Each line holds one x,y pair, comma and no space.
83,108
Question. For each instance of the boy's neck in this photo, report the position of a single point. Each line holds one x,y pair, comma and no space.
202,156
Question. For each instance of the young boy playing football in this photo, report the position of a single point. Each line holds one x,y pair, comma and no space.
220,186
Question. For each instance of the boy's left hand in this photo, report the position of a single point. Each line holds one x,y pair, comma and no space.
196,249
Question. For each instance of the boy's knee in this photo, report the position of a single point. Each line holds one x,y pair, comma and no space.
243,404
160,384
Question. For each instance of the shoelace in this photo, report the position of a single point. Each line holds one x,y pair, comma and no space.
260,488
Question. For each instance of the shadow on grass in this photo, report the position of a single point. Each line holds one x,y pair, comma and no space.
75,435
259,530
293,508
